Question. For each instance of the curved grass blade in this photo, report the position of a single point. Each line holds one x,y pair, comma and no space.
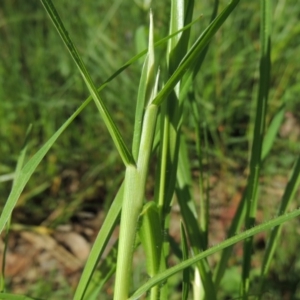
99,244
110,124
103,273
31,165
19,166
229,242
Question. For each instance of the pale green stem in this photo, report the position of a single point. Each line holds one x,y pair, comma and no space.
134,191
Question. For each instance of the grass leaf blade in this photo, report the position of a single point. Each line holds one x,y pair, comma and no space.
99,244
111,126
185,255
258,137
229,242
31,165
192,56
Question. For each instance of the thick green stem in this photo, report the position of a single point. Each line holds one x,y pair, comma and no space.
132,205
134,191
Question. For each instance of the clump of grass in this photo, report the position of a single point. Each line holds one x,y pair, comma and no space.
166,90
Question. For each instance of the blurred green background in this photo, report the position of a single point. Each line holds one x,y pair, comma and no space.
40,84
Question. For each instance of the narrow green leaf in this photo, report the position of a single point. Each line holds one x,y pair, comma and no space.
231,241
150,235
145,91
139,112
140,40
170,117
190,75
23,152
185,256
99,244
192,55
171,113
258,136
31,165
186,201
103,273
111,126
272,132
203,184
